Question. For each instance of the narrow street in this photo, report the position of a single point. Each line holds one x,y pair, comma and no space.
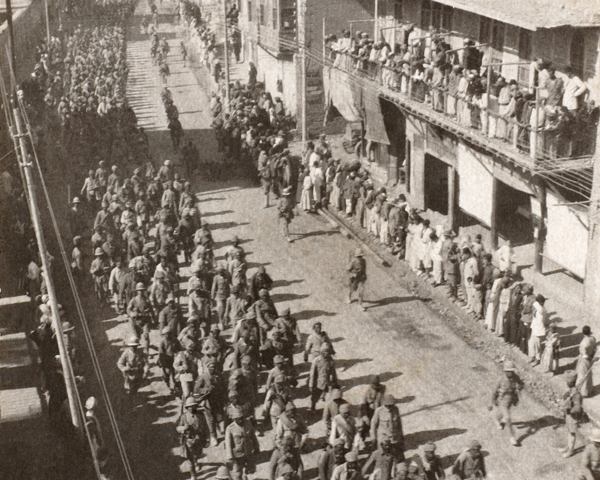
443,387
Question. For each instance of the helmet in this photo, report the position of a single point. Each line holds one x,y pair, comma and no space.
389,400
191,401
509,366
140,287
168,163
358,252
222,473
76,200
98,252
133,341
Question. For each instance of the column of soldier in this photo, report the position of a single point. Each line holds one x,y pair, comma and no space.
137,265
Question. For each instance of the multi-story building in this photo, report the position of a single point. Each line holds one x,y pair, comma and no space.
526,175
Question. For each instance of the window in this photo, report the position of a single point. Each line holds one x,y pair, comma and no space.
498,36
398,10
275,18
436,15
425,14
525,45
577,53
447,15
261,15
249,11
485,27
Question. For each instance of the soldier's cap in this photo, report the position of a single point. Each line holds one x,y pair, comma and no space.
77,239
170,298
509,366
91,403
412,467
358,252
286,311
429,447
236,413
98,252
336,394
159,274
140,287
278,359
67,327
166,330
129,205
287,191
339,442
168,163
235,240
401,468
351,457
326,348
389,400
317,323
290,407
286,468
263,292
375,380
215,328
133,342
222,473
147,248
76,200
114,168
571,377
475,445
211,361
345,408
250,314
191,401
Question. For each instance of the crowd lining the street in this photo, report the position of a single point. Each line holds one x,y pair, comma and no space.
558,118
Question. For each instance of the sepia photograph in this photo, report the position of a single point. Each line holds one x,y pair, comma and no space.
299,240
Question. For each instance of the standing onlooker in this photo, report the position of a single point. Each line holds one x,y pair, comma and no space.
574,89
587,350
538,330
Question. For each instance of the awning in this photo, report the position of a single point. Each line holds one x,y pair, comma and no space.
340,93
374,125
476,185
566,236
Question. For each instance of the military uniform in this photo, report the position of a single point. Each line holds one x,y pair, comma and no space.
131,363
241,446
139,312
387,424
193,437
322,378
506,396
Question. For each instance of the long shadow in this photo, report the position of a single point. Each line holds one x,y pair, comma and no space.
317,233
285,297
365,379
225,225
285,283
308,314
347,363
389,301
413,440
214,214
533,426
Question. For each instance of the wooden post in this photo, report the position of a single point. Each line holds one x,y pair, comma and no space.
226,47
487,110
534,133
494,219
376,22
540,232
451,197
11,39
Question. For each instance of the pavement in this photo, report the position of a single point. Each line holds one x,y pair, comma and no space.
442,385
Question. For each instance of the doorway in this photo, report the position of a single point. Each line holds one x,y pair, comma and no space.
513,214
436,184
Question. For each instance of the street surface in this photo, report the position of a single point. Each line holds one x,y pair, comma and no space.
443,387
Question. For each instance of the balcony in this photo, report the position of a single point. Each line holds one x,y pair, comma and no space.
540,144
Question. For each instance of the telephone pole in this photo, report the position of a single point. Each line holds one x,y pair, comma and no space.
11,38
226,46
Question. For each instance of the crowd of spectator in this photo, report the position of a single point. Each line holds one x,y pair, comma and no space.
544,113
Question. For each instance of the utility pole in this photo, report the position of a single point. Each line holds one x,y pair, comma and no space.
302,40
227,92
35,217
47,25
11,38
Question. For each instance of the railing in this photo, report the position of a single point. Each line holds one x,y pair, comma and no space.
551,140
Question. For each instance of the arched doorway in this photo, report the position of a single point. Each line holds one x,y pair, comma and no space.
577,53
